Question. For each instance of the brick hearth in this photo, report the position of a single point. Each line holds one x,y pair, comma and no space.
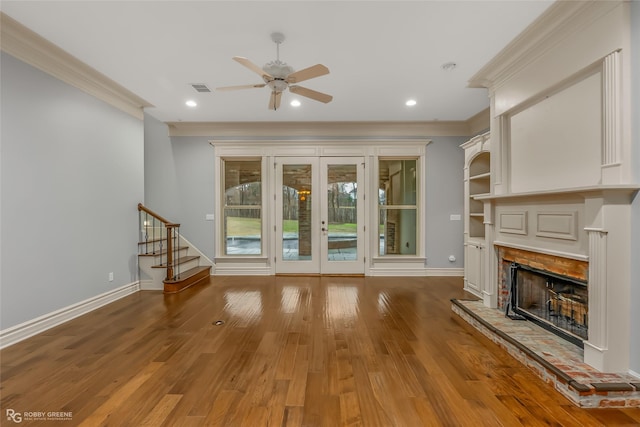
556,361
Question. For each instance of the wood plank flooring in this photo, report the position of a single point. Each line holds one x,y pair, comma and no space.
293,351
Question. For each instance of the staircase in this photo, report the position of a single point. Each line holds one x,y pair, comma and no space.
163,255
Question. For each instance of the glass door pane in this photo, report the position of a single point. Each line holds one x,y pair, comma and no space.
342,222
297,239
342,212
296,208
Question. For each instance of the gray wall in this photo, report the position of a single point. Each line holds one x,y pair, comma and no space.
181,170
634,357
445,197
179,182
71,176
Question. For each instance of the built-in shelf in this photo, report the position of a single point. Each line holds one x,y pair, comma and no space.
479,185
485,175
481,196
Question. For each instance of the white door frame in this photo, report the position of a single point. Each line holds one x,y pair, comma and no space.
320,261
370,149
328,263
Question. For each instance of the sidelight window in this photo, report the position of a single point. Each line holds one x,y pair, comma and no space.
397,206
242,207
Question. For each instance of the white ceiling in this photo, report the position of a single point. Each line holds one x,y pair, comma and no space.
380,53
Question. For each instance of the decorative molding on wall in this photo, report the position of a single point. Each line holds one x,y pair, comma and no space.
513,222
481,122
27,46
557,225
399,129
40,324
611,109
560,20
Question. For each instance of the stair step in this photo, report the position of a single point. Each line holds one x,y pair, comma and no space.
179,261
186,278
163,251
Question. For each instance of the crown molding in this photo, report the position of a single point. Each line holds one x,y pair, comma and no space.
27,46
386,129
559,21
479,123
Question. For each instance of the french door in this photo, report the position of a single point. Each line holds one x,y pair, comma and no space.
319,215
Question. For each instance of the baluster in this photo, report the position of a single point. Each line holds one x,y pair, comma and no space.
176,251
153,235
146,233
169,251
161,242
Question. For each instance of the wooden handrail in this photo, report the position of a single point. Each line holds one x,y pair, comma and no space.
171,227
143,208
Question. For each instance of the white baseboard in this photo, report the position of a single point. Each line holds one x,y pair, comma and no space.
416,272
149,285
635,374
221,270
40,324
456,272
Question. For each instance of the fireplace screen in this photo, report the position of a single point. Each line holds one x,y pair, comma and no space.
558,302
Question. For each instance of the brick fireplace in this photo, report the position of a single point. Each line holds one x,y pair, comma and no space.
549,290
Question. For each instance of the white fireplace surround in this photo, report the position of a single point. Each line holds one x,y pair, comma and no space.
586,225
561,178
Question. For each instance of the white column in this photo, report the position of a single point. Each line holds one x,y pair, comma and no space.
596,347
491,261
612,133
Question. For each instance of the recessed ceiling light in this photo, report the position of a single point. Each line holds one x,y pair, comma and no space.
191,103
295,103
410,103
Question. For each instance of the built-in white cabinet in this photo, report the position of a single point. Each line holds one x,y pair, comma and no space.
477,183
474,258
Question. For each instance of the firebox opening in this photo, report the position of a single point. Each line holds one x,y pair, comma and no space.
557,303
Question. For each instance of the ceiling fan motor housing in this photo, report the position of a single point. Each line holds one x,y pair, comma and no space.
279,71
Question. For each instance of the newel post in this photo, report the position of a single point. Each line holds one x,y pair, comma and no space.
170,232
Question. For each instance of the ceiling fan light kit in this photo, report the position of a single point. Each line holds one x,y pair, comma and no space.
279,76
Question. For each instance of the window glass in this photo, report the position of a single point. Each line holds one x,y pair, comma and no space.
242,207
398,210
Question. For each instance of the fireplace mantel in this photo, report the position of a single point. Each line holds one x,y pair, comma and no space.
599,190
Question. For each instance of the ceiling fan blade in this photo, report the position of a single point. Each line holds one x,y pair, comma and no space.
318,96
257,85
274,100
307,73
253,67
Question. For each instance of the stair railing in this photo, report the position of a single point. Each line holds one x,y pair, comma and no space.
156,234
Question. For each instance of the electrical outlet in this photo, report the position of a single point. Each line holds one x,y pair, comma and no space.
111,277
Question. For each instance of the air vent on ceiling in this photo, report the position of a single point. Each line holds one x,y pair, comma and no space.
200,87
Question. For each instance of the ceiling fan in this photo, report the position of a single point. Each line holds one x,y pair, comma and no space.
279,76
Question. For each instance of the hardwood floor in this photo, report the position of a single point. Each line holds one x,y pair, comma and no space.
292,351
